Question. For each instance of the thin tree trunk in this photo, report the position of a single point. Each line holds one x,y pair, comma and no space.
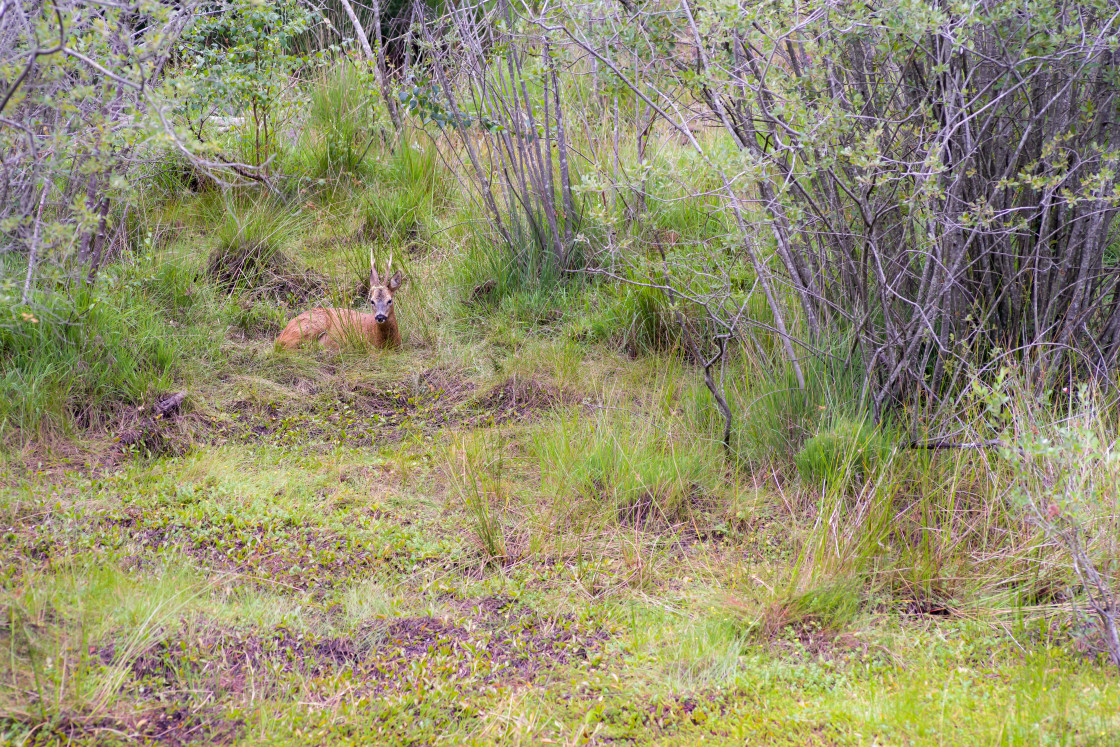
562,156
33,255
376,59
383,69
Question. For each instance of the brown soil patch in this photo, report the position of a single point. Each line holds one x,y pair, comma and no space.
501,606
482,293
131,431
922,604
363,415
807,638
380,657
518,399
447,384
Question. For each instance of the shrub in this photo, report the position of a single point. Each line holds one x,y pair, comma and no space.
1065,474
241,59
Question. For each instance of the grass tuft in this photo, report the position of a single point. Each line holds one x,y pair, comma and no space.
249,257
344,123
87,358
846,451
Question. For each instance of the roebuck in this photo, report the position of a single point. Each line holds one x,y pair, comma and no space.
331,327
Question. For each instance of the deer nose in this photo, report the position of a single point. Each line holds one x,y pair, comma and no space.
380,318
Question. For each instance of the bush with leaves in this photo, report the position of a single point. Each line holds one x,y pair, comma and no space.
241,59
937,179
80,103
1066,477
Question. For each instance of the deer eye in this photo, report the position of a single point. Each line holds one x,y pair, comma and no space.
390,302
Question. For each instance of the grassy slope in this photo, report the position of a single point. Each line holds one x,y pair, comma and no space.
501,533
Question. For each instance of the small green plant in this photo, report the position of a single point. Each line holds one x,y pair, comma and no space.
476,471
847,450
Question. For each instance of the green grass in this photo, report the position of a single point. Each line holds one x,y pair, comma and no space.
613,470
345,125
326,568
81,359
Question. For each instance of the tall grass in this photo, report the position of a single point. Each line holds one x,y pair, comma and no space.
416,165
81,357
475,466
772,416
1010,533
636,319
615,468
344,123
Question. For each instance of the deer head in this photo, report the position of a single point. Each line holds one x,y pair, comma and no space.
381,294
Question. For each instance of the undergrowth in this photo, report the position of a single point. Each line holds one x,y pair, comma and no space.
522,524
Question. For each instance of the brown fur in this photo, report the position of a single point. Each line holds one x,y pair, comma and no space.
331,327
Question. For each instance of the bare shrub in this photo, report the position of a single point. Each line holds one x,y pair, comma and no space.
936,185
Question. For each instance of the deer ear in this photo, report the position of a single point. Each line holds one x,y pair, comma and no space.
396,281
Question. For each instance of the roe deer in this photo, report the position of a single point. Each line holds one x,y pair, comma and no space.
331,327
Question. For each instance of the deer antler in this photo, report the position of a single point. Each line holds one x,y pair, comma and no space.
372,266
389,267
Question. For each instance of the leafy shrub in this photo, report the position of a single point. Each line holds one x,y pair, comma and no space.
240,60
1066,477
848,449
